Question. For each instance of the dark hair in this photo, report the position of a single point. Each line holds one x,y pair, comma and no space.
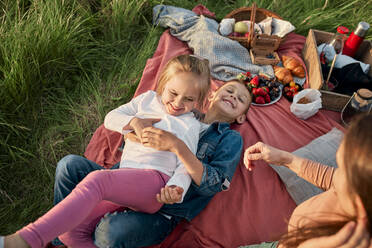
358,164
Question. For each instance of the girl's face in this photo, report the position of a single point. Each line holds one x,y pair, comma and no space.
231,99
341,186
180,94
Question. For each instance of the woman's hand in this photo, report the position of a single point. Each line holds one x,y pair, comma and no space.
138,124
170,194
351,235
159,139
271,155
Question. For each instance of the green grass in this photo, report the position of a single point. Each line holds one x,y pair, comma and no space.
65,64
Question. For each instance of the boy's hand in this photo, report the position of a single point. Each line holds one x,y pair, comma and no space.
159,139
138,124
132,137
170,194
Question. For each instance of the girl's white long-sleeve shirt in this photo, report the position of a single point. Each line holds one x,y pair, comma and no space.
135,155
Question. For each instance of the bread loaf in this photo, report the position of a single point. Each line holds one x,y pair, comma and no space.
294,66
283,74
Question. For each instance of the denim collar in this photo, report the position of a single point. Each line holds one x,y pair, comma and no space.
221,126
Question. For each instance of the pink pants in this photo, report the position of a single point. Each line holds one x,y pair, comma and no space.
100,192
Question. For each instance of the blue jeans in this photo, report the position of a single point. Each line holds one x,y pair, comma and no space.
119,229
132,229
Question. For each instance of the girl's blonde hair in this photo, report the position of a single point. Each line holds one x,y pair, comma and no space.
187,63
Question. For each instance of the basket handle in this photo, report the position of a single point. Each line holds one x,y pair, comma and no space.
253,19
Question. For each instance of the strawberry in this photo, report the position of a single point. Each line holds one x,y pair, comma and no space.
241,77
248,74
255,81
293,89
261,92
265,88
252,85
254,91
267,99
260,100
289,94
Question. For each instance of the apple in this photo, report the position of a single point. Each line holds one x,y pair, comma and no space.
240,27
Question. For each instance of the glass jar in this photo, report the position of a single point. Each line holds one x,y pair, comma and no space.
360,102
339,38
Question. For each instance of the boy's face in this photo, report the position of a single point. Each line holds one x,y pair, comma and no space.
232,99
180,94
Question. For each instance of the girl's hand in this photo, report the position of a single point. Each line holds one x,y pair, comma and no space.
351,235
132,137
159,139
138,124
170,194
271,155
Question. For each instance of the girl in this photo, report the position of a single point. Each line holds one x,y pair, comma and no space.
348,188
182,86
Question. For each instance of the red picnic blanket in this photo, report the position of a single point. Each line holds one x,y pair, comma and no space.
257,206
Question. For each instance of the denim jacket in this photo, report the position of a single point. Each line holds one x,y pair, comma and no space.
219,150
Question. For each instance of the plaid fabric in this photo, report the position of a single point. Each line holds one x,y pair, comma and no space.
227,58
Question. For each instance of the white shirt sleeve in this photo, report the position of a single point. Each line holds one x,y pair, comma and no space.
181,177
118,118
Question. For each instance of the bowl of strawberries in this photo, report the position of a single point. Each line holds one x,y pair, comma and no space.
291,89
264,91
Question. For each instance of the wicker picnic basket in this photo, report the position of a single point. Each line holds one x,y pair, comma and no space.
253,14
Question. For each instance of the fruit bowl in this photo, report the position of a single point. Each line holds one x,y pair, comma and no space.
291,89
274,100
264,91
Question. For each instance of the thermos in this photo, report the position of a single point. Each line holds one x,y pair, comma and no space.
355,39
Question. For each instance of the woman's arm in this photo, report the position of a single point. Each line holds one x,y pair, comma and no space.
316,173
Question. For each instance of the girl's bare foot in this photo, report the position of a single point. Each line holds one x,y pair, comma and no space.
15,241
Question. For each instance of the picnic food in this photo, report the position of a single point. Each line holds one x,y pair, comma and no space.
291,89
294,66
264,90
304,100
240,27
283,74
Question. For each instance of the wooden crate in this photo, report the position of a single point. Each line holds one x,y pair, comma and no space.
330,100
262,47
